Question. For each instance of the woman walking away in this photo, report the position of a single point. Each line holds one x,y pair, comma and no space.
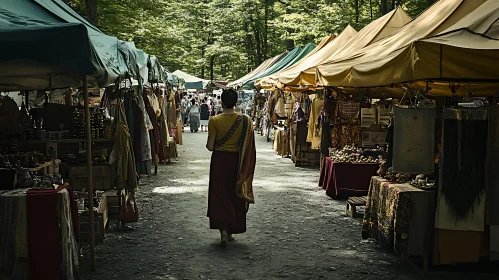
205,115
194,116
231,139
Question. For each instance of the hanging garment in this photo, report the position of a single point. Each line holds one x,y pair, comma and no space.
154,134
314,130
461,196
325,139
280,108
122,154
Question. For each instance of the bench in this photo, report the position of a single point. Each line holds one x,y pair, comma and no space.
353,203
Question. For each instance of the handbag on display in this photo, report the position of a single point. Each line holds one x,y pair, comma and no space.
129,213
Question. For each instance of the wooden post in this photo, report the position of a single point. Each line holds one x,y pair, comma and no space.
90,187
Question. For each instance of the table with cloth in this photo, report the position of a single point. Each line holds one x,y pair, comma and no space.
38,234
341,179
399,216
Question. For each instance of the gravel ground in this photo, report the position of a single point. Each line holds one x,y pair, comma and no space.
294,230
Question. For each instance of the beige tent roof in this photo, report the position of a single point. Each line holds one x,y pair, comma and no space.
304,74
271,80
262,67
391,59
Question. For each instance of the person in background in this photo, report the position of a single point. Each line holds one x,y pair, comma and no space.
205,114
232,141
184,103
194,116
211,103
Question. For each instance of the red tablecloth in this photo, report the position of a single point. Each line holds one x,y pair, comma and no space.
346,179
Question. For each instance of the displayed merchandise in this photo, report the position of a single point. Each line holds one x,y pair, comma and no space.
414,140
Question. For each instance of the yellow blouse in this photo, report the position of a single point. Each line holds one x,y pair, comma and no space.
219,125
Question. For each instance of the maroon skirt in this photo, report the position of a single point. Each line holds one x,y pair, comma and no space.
225,209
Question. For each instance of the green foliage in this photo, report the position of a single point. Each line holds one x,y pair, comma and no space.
229,37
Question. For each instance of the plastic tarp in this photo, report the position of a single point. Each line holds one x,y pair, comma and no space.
261,68
393,59
376,30
271,80
188,78
291,58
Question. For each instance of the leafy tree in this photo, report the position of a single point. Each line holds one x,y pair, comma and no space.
224,39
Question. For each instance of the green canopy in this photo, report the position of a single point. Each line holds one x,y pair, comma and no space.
44,44
287,61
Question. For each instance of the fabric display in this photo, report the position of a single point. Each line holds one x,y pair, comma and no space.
350,134
414,152
460,216
349,111
389,216
461,203
39,234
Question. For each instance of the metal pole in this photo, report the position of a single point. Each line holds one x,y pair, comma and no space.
90,187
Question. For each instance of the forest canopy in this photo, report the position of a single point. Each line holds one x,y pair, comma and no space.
224,39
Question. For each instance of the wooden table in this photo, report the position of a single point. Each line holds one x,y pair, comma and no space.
399,216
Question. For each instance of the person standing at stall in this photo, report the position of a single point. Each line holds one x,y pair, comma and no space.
205,114
232,141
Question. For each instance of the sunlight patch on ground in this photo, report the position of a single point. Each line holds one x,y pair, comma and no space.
177,190
204,181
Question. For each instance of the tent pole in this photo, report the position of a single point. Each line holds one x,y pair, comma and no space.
90,187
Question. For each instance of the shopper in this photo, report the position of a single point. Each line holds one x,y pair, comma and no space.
231,138
194,116
205,114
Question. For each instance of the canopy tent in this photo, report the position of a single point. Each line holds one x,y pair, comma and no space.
191,82
291,58
467,52
62,38
64,52
269,81
262,67
365,68
304,74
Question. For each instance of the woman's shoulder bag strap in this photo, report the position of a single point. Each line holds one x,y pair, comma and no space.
231,132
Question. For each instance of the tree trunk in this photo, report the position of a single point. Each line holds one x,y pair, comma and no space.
203,50
371,8
384,7
91,10
212,64
357,12
258,43
266,31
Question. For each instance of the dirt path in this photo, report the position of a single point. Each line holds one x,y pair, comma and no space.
294,230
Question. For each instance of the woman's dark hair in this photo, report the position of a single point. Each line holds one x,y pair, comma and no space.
193,101
229,98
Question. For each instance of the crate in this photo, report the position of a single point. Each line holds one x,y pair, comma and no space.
102,177
113,205
84,227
